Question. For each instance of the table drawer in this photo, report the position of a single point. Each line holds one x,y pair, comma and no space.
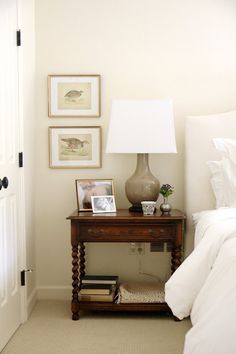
123,232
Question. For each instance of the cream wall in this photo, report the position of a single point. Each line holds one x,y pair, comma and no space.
182,50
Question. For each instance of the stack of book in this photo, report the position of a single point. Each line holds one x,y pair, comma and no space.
98,288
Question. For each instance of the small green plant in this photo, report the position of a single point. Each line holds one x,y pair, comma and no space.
166,190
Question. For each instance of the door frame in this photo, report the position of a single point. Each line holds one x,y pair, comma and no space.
22,231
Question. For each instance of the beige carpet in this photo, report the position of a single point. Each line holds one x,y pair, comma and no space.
50,330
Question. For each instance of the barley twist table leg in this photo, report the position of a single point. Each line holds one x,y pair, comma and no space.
81,259
75,283
176,256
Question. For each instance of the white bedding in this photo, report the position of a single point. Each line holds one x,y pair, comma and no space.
204,286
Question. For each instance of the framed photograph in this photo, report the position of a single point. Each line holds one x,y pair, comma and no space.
75,147
74,95
86,188
103,204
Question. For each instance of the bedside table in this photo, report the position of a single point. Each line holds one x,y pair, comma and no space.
122,226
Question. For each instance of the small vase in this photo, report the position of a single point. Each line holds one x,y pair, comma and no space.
165,207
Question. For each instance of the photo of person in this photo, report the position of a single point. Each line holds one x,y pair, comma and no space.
103,204
88,188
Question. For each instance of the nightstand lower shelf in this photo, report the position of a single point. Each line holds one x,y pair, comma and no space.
110,306
113,307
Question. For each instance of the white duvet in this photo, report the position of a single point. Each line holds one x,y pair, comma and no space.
204,286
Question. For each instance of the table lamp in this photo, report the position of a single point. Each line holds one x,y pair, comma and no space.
141,127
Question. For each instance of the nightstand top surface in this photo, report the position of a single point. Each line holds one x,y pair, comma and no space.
126,214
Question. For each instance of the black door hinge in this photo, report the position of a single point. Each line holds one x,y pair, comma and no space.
20,159
18,38
22,276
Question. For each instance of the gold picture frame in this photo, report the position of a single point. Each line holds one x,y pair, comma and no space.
75,147
86,188
74,95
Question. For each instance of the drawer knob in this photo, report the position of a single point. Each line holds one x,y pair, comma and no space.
162,230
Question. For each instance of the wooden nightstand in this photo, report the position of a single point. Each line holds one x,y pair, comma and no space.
122,226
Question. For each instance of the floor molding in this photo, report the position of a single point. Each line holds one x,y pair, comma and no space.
31,302
54,292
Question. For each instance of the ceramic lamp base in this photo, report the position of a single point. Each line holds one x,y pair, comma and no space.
136,209
142,185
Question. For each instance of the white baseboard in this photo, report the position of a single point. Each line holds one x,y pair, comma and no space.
54,293
31,301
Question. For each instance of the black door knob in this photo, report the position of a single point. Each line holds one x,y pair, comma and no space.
4,183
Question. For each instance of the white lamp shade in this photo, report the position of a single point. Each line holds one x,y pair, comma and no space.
141,126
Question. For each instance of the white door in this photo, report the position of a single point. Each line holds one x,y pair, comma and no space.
10,197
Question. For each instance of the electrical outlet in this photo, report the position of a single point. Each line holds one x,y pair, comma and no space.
136,248
132,249
140,248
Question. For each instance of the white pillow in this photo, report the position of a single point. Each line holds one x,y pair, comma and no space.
229,175
218,183
223,173
227,148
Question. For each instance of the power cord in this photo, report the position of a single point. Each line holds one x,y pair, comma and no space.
140,271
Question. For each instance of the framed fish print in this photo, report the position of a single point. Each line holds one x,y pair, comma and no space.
74,95
75,147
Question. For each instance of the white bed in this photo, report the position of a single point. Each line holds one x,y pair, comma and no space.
204,286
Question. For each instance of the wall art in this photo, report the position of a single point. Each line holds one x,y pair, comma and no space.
74,95
75,147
